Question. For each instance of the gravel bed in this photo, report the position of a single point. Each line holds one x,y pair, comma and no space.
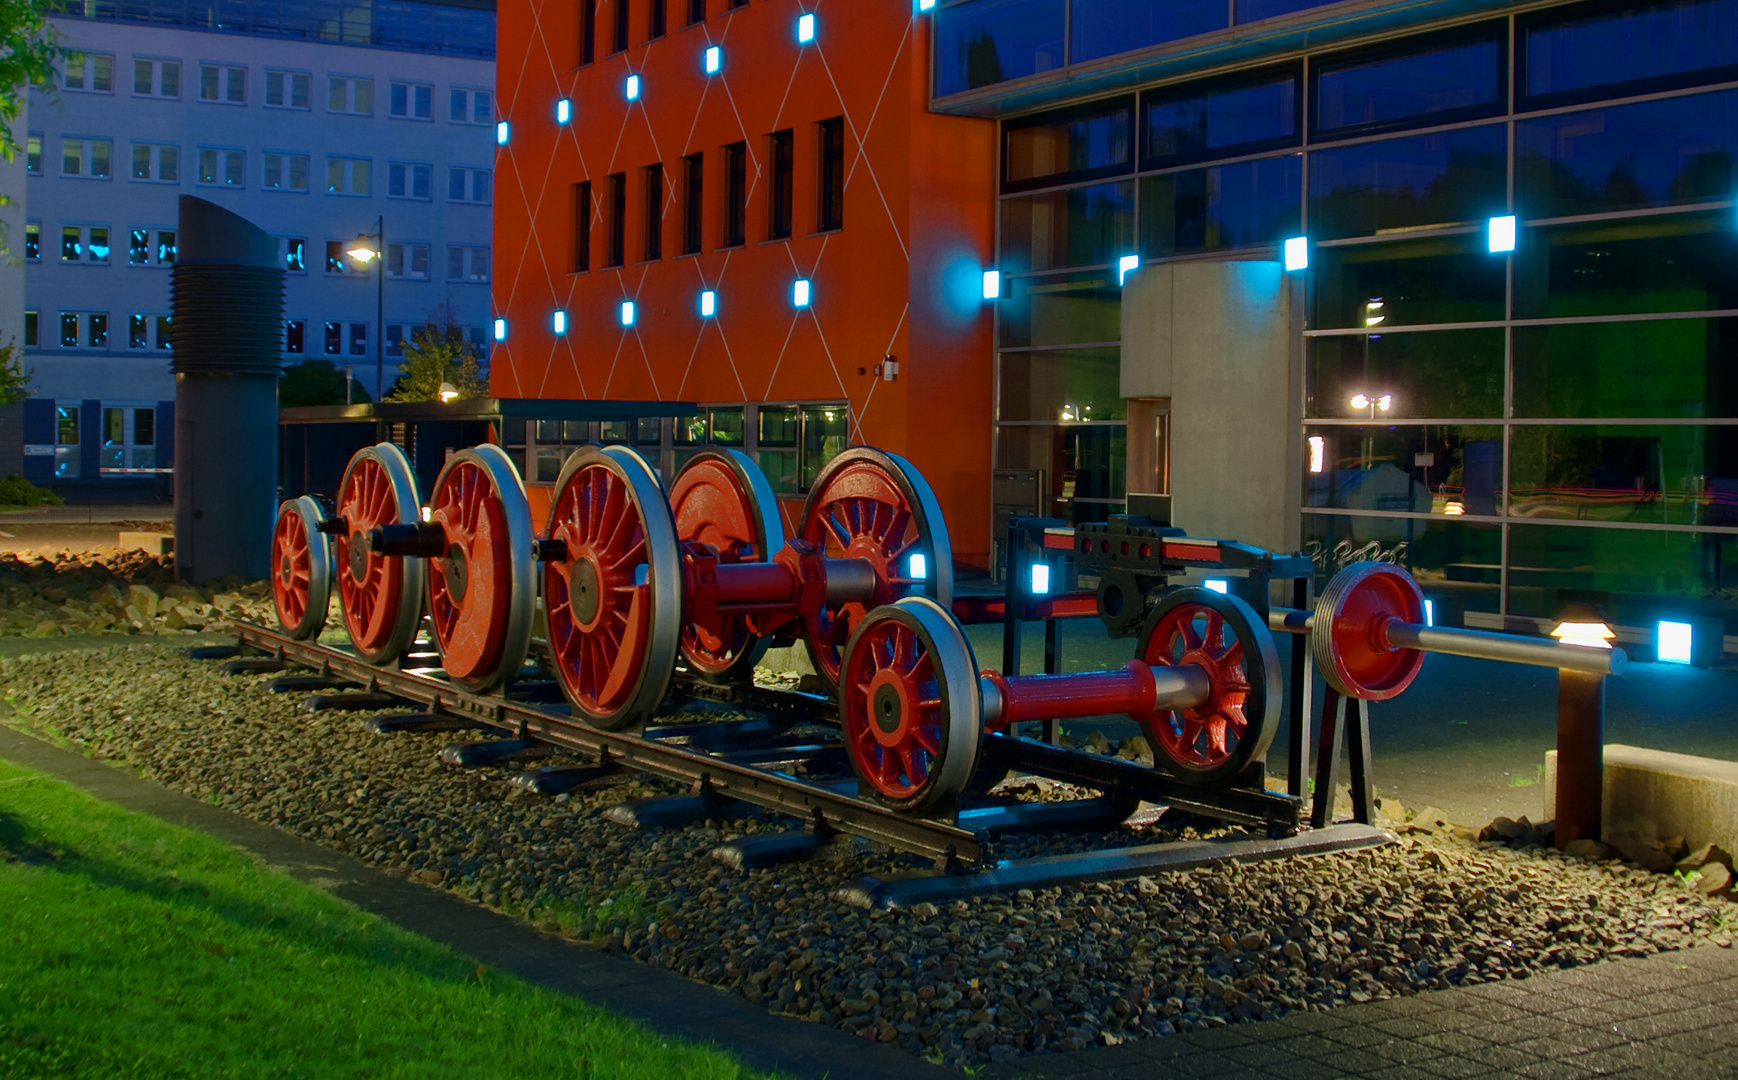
1054,969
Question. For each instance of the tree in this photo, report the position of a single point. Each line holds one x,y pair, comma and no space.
28,52
438,352
14,379
317,381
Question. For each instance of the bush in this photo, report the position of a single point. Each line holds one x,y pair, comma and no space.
17,491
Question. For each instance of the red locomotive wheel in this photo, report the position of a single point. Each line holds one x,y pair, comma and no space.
612,600
480,597
721,499
909,704
381,594
871,505
1211,744
1346,637
301,569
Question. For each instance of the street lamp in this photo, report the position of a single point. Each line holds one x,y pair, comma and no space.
365,249
1580,729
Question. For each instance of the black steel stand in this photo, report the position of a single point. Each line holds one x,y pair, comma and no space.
1353,714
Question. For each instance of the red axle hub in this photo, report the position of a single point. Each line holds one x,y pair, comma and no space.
1137,690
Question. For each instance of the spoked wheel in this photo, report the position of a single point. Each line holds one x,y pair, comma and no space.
909,704
481,590
1213,743
721,499
301,568
872,505
1353,659
381,594
613,602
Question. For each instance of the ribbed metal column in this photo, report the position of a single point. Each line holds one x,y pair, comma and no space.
227,299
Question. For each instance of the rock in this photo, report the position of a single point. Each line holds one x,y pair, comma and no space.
1503,829
1252,941
1586,848
1702,856
1095,743
144,598
1642,851
1714,877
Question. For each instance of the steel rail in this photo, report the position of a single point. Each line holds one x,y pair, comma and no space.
946,844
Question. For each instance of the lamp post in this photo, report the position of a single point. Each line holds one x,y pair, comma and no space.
1362,400
363,253
1580,730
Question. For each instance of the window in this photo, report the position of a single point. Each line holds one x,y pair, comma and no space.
33,155
287,89
334,338
410,101
1244,115
619,31
32,328
468,185
223,84
618,214
778,195
158,162
156,78
797,441
296,336
696,11
466,263
470,107
1101,28
581,231
147,330
33,241
832,175
1085,142
347,94
735,194
129,437
151,247
1454,77
222,167
85,157
655,19
1579,53
587,31
89,241
285,172
296,254
358,339
336,261
357,336
349,176
84,329
66,451
693,177
408,180
654,212
407,261
396,335
94,73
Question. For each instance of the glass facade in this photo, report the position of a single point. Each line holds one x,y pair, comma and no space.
1523,429
410,25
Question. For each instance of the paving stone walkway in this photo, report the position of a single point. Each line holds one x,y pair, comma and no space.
1674,1015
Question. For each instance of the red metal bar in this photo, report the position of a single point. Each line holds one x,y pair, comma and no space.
755,583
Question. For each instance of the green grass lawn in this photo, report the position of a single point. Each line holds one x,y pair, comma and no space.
132,948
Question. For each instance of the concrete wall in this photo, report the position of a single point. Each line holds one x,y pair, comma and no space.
1220,340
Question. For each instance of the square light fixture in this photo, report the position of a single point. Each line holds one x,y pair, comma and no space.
992,284
805,28
501,133
563,111
500,329
1675,640
925,5
558,321
627,313
1040,578
631,88
918,566
714,60
1125,266
1218,586
800,292
1297,253
708,304
1502,233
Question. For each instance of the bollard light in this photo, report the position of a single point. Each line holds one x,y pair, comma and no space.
1583,624
1580,730
1675,640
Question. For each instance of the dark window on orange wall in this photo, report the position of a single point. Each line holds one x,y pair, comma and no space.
587,31
696,11
832,175
618,215
693,174
738,3
735,194
654,211
581,232
778,196
655,20
619,40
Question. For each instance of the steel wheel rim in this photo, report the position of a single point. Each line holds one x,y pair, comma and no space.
614,656
909,704
1221,635
480,594
720,498
874,505
301,569
1351,660
383,605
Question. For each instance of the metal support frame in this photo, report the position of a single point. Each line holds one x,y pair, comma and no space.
1351,714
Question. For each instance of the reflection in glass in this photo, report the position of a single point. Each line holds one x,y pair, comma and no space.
1075,384
1106,27
1062,309
727,426
1440,279
1249,11
1221,119
1673,367
1450,558
1228,206
1449,178
1445,373
1447,469
1072,143
995,40
826,431
1680,263
1630,573
1677,474
1632,45
1077,227
1083,465
1628,157
1465,79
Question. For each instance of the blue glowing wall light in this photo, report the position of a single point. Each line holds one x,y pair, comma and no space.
628,313
1501,233
1040,578
631,88
992,284
714,59
805,28
501,131
925,5
1675,640
918,566
1125,266
1220,587
563,111
1297,253
800,292
500,329
708,304
558,322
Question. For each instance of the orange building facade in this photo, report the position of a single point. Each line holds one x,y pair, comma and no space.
657,225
